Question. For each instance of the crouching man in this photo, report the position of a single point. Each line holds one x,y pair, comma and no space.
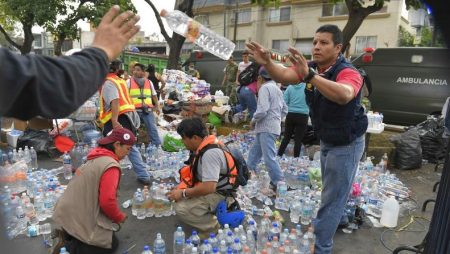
205,181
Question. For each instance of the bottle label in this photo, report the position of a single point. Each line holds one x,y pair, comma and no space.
193,31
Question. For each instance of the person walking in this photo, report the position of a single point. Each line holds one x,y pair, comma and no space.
144,98
117,111
229,79
296,119
266,123
333,92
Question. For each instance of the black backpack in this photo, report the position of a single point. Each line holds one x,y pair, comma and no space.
249,75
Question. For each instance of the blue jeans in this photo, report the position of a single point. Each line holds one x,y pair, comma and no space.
338,166
247,99
264,146
139,166
152,130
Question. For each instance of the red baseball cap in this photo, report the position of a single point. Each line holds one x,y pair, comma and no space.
123,135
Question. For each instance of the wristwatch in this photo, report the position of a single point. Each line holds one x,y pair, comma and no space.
310,75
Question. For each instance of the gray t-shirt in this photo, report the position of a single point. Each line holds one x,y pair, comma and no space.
110,93
211,165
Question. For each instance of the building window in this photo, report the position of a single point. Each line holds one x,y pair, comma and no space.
240,44
338,9
280,14
37,40
244,16
304,46
280,45
202,19
363,42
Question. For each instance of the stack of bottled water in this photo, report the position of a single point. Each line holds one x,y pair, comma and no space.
152,202
162,164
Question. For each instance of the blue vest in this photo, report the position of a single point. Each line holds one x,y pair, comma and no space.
333,123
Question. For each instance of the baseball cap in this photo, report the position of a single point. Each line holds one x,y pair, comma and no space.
124,136
263,73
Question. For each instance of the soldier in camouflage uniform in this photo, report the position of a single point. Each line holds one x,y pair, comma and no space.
229,80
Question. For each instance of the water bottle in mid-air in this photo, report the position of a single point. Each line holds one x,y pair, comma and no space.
195,32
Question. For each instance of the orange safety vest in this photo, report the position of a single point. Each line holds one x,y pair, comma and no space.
188,172
125,104
136,92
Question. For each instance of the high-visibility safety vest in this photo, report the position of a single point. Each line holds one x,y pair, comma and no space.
125,104
188,173
135,93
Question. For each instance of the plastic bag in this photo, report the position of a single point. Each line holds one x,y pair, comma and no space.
431,137
214,119
39,140
172,143
408,150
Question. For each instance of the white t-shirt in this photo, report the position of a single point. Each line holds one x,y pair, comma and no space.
242,66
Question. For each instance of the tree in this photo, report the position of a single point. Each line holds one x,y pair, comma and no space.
28,13
176,41
356,14
90,10
405,38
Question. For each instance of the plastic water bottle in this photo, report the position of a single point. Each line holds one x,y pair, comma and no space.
281,189
229,239
237,247
251,241
195,239
389,215
223,247
307,212
67,164
140,209
253,230
304,245
206,247
220,236
296,209
188,246
213,240
284,235
147,250
194,250
63,251
195,32
33,155
178,240
274,231
159,246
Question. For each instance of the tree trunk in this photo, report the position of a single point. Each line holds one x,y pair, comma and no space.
175,46
57,46
25,48
356,15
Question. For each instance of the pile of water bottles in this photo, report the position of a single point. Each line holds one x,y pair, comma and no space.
267,237
162,164
151,202
28,194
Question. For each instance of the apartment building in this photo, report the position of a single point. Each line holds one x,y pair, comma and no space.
295,21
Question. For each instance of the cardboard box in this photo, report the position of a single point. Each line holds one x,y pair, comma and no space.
35,124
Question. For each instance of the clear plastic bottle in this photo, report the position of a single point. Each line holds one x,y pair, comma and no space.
134,204
194,250
305,248
64,251
34,161
49,203
294,214
253,230
307,211
146,250
311,238
213,240
67,164
178,240
251,242
159,246
274,231
229,239
195,239
195,32
206,247
140,209
188,246
223,247
237,247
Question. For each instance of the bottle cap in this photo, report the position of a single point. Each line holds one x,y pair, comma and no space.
163,13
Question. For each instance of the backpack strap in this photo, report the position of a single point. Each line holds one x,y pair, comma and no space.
195,161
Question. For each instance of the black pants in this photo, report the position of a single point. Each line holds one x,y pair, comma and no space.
75,246
295,124
123,120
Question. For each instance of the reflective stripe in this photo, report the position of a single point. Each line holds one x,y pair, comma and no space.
135,93
125,104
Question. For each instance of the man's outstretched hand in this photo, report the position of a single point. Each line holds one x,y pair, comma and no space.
114,31
258,52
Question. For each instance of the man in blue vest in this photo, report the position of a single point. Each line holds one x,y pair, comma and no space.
333,94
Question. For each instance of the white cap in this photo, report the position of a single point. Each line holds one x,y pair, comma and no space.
72,51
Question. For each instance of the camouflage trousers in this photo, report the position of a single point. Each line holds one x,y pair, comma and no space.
230,90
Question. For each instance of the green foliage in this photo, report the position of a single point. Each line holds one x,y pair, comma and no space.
405,39
33,12
267,3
